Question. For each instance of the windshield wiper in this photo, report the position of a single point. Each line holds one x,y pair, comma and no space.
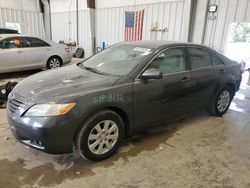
96,71
91,69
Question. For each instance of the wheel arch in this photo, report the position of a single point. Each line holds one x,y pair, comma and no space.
232,87
228,86
123,115
57,56
115,109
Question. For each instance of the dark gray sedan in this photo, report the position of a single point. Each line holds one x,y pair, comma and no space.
93,105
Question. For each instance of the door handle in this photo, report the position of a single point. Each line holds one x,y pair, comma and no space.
49,49
185,79
222,71
20,51
164,100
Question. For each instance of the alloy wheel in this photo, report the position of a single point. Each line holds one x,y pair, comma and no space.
103,137
223,101
54,63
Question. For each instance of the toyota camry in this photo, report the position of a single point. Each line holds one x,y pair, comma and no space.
91,106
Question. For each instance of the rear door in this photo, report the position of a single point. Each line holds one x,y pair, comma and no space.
158,100
204,79
220,70
12,55
36,51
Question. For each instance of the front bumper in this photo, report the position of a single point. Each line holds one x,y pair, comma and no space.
47,135
53,135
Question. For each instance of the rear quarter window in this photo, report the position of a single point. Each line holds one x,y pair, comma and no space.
216,61
199,58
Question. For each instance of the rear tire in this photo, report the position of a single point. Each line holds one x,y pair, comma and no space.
79,53
54,62
222,102
100,136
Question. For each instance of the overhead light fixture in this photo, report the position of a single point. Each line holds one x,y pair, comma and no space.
212,8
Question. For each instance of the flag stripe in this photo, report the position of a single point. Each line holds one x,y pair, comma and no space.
136,26
133,25
142,19
139,25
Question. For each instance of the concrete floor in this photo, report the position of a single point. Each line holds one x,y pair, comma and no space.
200,151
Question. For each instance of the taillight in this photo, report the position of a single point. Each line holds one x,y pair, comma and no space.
67,50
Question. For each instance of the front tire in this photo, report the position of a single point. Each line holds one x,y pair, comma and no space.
222,102
100,136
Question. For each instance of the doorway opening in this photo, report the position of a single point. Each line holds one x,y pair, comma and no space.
238,46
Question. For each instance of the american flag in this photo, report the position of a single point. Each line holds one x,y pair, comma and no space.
133,25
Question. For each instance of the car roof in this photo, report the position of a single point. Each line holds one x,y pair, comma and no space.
13,35
160,43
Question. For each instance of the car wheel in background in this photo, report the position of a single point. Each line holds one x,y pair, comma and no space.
100,136
79,53
54,62
222,102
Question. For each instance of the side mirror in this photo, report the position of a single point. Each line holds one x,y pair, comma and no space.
152,74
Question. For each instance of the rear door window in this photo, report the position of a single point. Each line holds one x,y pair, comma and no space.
199,58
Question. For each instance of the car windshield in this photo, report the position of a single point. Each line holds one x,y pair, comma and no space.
117,60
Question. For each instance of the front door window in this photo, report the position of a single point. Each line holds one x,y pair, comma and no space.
11,43
170,61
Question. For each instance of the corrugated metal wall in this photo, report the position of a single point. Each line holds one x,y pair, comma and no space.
31,22
173,15
229,11
64,28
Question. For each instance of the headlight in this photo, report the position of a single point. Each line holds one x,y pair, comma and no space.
49,109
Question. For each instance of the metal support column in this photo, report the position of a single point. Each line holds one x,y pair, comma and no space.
77,22
91,9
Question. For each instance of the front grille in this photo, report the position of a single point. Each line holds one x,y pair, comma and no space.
14,106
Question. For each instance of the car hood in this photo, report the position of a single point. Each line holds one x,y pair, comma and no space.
62,84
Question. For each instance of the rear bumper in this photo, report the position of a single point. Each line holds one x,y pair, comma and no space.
67,58
237,87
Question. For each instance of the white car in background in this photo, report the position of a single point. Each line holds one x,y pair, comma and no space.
20,52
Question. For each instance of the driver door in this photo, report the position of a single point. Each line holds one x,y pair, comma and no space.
157,100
